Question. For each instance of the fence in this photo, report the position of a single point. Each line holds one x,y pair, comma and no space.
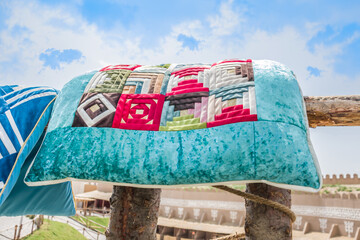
84,231
88,211
17,230
35,224
90,224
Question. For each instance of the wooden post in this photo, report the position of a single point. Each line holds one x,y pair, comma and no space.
85,207
264,222
32,226
15,232
134,213
20,227
19,232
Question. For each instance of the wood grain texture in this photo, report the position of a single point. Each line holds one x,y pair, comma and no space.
333,110
263,222
134,213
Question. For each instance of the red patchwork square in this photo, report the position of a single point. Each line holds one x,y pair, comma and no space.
139,111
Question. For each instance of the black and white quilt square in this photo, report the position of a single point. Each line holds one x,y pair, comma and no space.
96,110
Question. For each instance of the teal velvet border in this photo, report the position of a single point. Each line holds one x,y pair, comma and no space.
283,156
67,102
278,96
279,153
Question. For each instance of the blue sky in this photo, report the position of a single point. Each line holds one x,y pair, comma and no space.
49,42
52,58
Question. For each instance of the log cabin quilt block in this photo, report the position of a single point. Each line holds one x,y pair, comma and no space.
233,121
139,112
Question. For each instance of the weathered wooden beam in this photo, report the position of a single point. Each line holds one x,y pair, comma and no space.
333,110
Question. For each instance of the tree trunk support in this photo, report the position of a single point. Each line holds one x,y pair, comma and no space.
134,213
265,222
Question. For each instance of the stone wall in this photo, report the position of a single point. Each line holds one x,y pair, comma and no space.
328,213
341,179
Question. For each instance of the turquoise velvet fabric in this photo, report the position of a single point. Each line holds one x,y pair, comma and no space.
68,101
160,158
282,155
275,148
278,96
52,200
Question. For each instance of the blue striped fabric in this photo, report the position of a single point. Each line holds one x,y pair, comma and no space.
20,109
24,95
13,99
24,113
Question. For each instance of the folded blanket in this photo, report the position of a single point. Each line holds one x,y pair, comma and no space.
24,114
233,121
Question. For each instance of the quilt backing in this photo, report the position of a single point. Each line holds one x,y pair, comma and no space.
233,121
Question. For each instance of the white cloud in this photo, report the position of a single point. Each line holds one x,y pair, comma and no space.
99,47
57,28
190,28
289,47
227,21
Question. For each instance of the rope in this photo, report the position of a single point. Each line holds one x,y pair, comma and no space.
261,200
236,236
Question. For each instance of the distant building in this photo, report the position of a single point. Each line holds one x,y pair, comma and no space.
205,212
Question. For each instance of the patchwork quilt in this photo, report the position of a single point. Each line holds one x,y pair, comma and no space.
233,121
24,114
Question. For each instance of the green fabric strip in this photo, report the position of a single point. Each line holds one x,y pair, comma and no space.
183,117
183,127
184,122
